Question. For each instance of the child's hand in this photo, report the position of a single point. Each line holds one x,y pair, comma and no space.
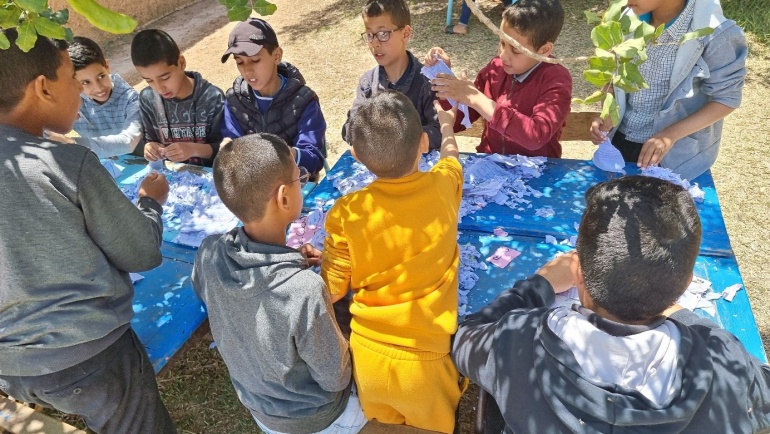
179,152
430,58
558,272
445,117
313,255
459,89
153,151
599,129
654,150
155,186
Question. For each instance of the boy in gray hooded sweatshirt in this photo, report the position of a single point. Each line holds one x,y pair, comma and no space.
270,315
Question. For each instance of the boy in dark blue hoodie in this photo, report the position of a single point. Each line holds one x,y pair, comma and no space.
629,359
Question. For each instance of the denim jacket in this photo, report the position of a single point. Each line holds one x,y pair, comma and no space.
710,68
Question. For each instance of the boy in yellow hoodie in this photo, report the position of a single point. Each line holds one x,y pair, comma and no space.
394,244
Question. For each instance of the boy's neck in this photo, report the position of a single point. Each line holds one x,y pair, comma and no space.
667,12
24,120
266,231
397,69
187,89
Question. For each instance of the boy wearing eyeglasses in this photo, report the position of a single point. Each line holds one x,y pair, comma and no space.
270,315
270,95
388,30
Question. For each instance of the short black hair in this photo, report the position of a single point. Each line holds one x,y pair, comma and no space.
84,52
18,68
540,21
153,46
637,243
248,170
385,133
398,10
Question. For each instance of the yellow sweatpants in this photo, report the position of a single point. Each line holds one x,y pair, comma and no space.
399,385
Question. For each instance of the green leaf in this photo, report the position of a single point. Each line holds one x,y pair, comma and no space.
4,42
35,6
659,31
631,72
621,83
238,13
630,23
596,77
645,30
592,17
611,109
9,17
27,37
264,8
628,49
604,53
594,97
48,28
606,35
614,10
103,18
61,16
68,35
696,34
602,63
641,56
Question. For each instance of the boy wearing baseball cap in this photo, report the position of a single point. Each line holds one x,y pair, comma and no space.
270,96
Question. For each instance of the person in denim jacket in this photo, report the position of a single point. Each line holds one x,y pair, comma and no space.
677,122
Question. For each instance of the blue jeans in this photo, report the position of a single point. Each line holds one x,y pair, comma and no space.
465,13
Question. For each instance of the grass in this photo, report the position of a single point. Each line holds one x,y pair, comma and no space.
322,39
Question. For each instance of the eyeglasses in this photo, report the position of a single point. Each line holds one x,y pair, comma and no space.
382,35
304,177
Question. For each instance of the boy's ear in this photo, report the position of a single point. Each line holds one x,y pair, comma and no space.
107,66
182,62
546,49
278,55
41,89
407,32
424,143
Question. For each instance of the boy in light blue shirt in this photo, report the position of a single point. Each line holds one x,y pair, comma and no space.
109,122
677,122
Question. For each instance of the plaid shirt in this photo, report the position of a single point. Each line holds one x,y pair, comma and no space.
643,106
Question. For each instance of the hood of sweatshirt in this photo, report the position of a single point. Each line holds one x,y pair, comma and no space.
257,267
585,405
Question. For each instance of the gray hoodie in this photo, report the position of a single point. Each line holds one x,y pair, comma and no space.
274,326
68,238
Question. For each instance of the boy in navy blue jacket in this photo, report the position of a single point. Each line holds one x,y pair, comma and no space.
270,96
629,359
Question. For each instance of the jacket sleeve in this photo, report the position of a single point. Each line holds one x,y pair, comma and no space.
336,267
230,127
149,120
324,349
474,344
214,136
363,92
311,130
726,60
122,143
530,293
129,237
429,116
548,114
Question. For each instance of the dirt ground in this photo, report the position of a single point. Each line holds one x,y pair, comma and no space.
322,38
